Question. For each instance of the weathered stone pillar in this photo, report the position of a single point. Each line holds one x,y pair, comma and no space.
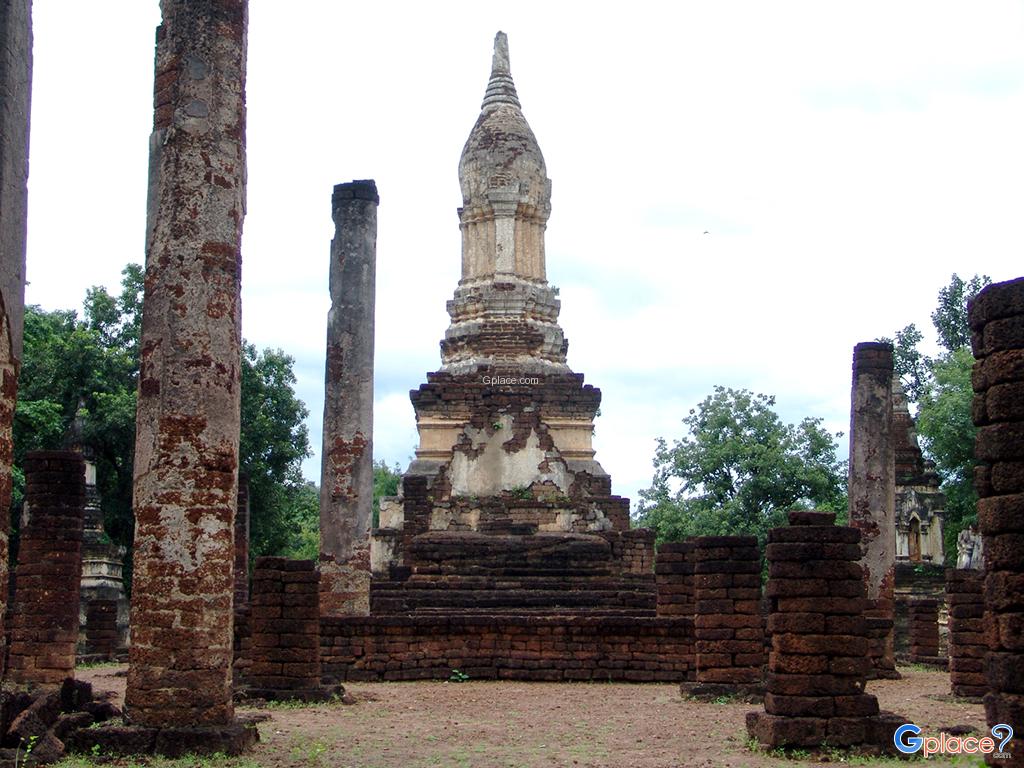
15,96
728,630
872,493
186,450
346,478
996,317
818,665
44,619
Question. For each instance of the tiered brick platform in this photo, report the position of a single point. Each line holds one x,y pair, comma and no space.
470,572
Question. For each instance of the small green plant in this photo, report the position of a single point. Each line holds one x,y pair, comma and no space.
311,752
458,676
28,744
496,426
96,750
521,492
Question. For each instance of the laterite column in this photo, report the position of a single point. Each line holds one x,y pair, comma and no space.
186,450
346,475
872,492
996,318
818,664
15,98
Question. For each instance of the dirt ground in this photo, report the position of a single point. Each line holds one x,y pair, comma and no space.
548,725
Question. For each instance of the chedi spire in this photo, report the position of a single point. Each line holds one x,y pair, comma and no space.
500,88
504,313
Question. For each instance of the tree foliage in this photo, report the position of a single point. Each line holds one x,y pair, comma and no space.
950,316
93,362
739,469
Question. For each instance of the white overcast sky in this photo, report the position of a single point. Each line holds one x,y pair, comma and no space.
844,158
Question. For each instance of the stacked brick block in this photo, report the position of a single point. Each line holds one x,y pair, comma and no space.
44,624
285,630
923,623
967,643
242,544
673,572
996,318
818,664
728,629
101,628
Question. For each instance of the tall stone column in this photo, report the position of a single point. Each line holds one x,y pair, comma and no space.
15,98
346,478
186,449
872,494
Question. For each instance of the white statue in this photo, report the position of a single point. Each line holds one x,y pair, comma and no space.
969,549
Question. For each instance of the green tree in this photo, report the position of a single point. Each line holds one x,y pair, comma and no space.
274,442
950,316
385,483
740,469
911,366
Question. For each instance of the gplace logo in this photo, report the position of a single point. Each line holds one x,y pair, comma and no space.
908,741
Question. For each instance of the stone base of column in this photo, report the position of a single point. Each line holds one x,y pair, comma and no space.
872,734
307,695
749,692
345,587
124,740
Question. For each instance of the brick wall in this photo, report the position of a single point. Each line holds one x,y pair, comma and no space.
550,648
